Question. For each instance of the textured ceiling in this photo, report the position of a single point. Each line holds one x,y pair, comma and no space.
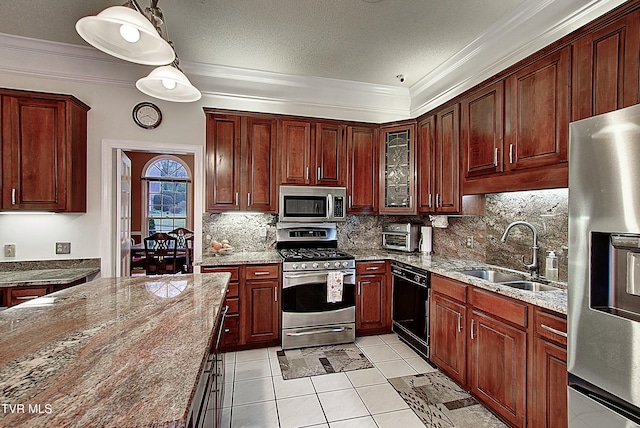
359,40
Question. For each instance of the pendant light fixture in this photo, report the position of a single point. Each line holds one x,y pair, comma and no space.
128,33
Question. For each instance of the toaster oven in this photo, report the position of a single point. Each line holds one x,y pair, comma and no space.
401,236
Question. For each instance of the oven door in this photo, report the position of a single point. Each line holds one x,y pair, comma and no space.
304,297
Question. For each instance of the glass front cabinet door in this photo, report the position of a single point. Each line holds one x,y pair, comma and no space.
398,174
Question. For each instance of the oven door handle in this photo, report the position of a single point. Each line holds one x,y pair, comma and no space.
306,275
318,330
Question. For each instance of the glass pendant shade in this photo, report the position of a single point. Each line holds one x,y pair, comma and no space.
169,84
126,34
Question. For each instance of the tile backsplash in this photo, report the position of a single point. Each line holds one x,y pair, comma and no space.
546,210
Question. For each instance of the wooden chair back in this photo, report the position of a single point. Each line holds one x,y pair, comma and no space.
161,253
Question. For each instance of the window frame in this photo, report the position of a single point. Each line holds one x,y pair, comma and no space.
145,180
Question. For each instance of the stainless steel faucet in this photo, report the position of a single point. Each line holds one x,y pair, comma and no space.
533,267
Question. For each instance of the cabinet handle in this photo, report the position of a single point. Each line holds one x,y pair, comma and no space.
13,196
236,199
437,200
261,273
430,198
226,330
495,157
510,153
350,205
318,174
410,201
553,330
27,297
248,199
359,288
275,294
306,176
373,268
459,325
472,323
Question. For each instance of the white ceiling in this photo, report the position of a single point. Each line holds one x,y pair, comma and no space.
368,41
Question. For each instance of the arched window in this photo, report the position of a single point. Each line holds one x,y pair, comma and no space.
166,180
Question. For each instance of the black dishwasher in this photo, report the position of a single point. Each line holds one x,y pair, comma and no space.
411,306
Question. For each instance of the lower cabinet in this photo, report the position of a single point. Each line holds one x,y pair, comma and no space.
253,319
509,354
549,401
373,299
448,320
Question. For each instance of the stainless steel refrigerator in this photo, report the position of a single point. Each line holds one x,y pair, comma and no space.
604,271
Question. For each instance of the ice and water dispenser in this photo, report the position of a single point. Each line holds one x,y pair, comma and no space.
615,274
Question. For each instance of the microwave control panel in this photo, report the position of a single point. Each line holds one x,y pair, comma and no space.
338,206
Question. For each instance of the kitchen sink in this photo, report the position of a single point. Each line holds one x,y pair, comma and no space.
529,286
491,275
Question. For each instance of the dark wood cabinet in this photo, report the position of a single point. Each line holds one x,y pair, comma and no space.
498,354
231,329
482,131
330,154
260,304
537,112
448,326
241,162
44,152
373,299
605,68
447,158
550,378
438,162
397,168
312,153
362,170
294,145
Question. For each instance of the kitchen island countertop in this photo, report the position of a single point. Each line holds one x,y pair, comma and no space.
111,352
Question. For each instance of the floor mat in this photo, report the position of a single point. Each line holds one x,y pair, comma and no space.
296,363
439,402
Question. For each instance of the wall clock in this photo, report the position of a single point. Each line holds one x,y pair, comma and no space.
147,115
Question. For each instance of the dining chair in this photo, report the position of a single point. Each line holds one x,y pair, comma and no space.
161,251
185,246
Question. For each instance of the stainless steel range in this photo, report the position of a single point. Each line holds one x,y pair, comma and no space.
318,290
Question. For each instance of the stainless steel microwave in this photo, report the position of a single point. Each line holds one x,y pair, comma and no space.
312,204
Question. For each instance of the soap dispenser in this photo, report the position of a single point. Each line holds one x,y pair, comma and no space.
551,267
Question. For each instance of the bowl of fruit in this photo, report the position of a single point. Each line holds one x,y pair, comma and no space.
221,247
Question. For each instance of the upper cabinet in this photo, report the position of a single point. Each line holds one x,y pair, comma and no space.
312,153
537,112
362,170
482,131
438,162
605,68
397,163
44,152
241,161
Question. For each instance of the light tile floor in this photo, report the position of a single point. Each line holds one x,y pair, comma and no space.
257,396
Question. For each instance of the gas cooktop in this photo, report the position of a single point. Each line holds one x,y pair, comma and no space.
313,254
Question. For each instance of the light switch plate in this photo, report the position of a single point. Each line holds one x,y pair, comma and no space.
63,247
9,250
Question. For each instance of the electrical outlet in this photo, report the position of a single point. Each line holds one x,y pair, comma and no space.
263,234
63,247
9,250
469,241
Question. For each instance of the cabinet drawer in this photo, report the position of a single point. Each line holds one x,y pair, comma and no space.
21,294
371,267
232,289
233,304
499,306
233,270
231,330
551,327
449,287
262,272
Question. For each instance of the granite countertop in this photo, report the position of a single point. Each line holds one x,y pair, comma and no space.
448,266
442,265
112,352
239,257
44,276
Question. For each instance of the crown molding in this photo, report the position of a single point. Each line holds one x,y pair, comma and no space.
527,29
222,87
